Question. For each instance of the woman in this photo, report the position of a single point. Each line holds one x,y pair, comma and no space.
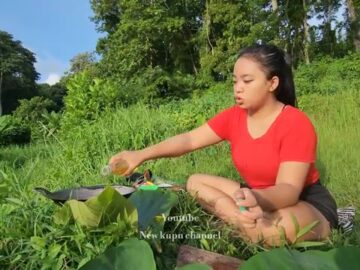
273,146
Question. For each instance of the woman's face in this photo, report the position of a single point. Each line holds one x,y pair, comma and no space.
252,89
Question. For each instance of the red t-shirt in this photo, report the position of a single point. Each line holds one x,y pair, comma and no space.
291,137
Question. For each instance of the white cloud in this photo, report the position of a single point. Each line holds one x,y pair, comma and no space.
50,68
52,78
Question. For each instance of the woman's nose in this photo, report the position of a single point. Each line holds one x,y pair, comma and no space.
238,87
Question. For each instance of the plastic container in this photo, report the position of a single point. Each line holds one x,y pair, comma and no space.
118,168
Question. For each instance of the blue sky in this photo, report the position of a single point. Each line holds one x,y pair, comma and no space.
55,30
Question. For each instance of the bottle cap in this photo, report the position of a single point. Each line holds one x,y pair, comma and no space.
242,208
106,170
150,187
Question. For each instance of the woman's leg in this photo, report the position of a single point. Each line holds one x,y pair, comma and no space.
216,200
215,194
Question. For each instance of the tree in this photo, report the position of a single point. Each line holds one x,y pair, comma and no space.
81,62
32,110
17,73
306,32
227,27
275,5
327,41
106,14
353,7
294,29
55,93
151,51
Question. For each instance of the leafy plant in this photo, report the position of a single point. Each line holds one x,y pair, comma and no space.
319,76
300,232
131,254
32,110
34,113
150,204
283,258
139,210
86,98
101,210
12,131
109,207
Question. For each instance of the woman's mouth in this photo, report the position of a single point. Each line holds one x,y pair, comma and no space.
239,100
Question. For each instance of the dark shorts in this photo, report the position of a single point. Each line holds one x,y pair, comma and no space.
318,196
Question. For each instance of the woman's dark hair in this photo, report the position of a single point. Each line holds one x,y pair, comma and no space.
274,63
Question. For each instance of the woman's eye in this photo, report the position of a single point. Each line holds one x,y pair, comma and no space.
248,81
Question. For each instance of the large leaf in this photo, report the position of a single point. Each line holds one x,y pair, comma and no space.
131,254
151,203
282,258
99,210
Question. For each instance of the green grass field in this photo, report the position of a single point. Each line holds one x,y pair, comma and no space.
31,240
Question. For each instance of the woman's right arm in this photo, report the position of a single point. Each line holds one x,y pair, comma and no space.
172,147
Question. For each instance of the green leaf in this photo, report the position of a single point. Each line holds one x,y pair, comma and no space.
151,203
307,244
205,243
296,223
54,250
37,243
283,258
98,211
85,215
15,201
307,229
129,255
63,215
195,266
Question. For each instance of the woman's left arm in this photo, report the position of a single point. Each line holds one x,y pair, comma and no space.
286,191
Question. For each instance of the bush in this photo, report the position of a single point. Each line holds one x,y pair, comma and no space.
328,75
34,113
13,132
87,97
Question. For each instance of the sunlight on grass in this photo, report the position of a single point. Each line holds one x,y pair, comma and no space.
75,158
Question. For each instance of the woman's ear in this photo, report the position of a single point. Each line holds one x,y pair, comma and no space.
274,83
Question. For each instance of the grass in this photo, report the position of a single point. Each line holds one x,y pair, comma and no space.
30,239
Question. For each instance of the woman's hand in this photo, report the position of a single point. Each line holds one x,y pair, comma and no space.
245,198
132,158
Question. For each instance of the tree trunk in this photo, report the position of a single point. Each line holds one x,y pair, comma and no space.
1,80
306,34
354,28
275,5
287,31
188,254
208,26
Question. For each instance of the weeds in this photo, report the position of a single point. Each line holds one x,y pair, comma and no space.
31,240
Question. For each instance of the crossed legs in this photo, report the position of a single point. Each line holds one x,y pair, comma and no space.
214,193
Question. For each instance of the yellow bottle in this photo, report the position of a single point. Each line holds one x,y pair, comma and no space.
118,168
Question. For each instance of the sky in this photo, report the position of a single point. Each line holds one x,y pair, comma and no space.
54,30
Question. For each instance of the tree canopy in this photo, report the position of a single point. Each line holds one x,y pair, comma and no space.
17,73
156,49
